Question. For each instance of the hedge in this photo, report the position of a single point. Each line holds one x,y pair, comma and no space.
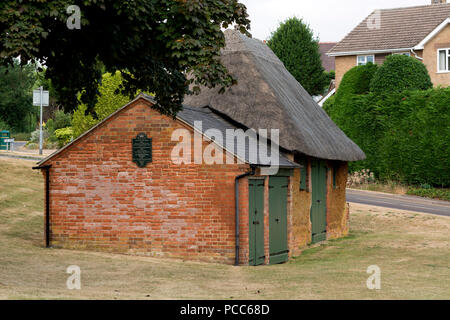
399,73
406,136
357,80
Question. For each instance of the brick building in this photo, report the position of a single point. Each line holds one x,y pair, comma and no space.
117,188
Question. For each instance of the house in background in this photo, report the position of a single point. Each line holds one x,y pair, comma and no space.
422,32
328,62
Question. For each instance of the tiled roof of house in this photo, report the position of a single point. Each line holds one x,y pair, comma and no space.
328,63
398,29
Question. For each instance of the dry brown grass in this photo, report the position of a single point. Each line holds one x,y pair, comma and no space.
412,250
393,188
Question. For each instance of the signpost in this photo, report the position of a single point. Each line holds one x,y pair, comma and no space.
40,98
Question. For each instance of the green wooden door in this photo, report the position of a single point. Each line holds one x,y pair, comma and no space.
278,246
319,200
256,222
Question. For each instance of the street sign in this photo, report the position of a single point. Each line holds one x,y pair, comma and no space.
37,98
10,143
40,98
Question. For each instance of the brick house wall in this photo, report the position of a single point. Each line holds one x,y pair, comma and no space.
440,41
101,200
343,64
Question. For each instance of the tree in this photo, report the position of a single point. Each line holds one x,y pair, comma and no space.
16,83
108,101
155,43
294,43
399,73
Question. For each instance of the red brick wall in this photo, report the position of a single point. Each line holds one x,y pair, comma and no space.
101,200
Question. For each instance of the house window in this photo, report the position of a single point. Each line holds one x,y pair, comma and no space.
444,60
363,60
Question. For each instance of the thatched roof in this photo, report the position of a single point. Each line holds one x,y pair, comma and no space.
267,96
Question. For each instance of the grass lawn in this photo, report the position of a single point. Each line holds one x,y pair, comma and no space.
412,250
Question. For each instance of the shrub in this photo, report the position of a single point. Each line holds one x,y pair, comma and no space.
35,136
357,80
62,120
108,102
399,73
360,177
64,136
443,194
82,122
329,104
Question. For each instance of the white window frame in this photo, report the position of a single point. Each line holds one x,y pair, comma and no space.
447,58
365,59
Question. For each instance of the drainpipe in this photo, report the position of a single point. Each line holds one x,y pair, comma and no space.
47,203
236,190
415,54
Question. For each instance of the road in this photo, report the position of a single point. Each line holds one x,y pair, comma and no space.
401,202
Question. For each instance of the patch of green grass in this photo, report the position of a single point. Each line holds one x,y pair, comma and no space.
434,193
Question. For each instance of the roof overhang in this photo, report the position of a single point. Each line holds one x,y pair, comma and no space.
432,34
361,52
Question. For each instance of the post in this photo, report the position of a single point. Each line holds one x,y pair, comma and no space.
40,126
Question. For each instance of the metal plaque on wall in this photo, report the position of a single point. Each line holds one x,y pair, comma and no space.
142,150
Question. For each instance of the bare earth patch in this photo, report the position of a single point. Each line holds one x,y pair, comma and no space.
412,250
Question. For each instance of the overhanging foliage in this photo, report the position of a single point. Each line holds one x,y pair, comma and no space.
154,42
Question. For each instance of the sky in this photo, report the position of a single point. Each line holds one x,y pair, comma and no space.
330,20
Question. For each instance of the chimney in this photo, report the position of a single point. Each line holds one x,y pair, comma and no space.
438,1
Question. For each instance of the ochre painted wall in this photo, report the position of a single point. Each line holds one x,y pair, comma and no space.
301,220
337,210
430,56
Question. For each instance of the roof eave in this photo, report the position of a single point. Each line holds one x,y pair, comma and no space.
360,52
432,34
